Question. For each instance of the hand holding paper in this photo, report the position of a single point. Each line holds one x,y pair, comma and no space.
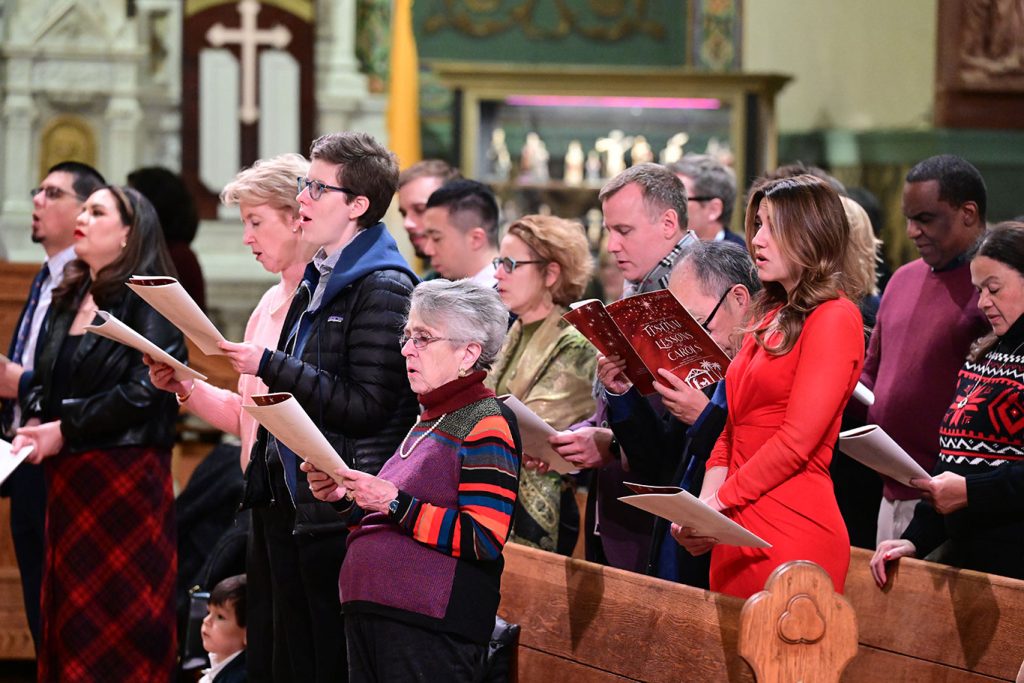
10,459
283,417
682,508
871,446
170,300
114,329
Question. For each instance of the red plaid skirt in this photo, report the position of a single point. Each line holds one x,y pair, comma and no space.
110,566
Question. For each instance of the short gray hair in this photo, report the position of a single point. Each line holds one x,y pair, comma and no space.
719,266
661,189
467,311
711,178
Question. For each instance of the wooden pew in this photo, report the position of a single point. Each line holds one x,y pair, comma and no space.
585,622
15,639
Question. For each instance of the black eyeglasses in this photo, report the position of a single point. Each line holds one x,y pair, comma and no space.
316,188
510,264
700,199
53,193
711,316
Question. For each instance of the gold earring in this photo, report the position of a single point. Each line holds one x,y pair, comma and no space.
463,372
124,244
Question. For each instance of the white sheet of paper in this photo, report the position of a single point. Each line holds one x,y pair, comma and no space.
871,446
9,460
112,328
534,432
283,417
171,301
679,506
864,395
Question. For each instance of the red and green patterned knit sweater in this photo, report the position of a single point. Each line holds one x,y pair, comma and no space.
982,433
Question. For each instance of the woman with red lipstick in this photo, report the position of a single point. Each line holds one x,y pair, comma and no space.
973,501
104,435
787,388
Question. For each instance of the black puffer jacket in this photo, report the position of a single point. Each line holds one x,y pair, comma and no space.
110,400
349,376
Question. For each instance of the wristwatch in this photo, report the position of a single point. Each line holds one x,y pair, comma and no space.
393,507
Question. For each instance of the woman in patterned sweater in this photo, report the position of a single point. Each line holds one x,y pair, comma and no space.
420,582
972,499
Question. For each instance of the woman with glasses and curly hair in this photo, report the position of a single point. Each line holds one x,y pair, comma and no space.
787,388
543,266
103,434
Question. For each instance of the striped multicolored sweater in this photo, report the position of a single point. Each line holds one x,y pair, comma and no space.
436,562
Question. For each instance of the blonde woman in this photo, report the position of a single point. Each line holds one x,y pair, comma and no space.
544,265
265,196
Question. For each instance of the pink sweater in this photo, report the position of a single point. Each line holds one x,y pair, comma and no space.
223,408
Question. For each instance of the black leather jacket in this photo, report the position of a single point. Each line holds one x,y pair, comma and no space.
110,401
350,378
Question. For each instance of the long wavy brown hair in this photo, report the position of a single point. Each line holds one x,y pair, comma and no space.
810,228
145,253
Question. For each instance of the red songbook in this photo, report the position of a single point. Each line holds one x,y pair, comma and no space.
651,331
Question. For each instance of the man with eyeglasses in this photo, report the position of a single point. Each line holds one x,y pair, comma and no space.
339,356
716,282
56,204
461,230
710,195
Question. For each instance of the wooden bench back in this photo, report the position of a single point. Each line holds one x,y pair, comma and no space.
585,622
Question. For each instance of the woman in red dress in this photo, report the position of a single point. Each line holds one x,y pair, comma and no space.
787,387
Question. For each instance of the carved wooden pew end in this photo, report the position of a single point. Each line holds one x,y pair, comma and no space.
798,628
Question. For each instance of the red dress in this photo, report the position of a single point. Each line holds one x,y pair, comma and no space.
784,414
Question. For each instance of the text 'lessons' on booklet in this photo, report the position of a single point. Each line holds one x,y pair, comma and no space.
651,331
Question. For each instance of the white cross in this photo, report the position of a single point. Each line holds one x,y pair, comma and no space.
248,37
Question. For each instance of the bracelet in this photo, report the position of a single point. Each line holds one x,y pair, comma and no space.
181,400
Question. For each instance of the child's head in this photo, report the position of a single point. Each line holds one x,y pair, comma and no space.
224,626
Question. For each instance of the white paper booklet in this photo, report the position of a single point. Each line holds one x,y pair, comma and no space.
534,432
171,301
871,446
283,417
864,395
9,460
679,506
112,328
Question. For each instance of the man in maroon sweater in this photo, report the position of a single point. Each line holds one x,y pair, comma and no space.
926,322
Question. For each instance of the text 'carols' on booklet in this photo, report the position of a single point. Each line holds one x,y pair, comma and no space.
283,417
651,331
679,506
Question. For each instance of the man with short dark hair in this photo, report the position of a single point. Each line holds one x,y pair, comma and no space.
927,320
415,185
340,358
461,229
711,195
56,204
645,216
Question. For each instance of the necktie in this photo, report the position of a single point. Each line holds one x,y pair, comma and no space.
30,309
